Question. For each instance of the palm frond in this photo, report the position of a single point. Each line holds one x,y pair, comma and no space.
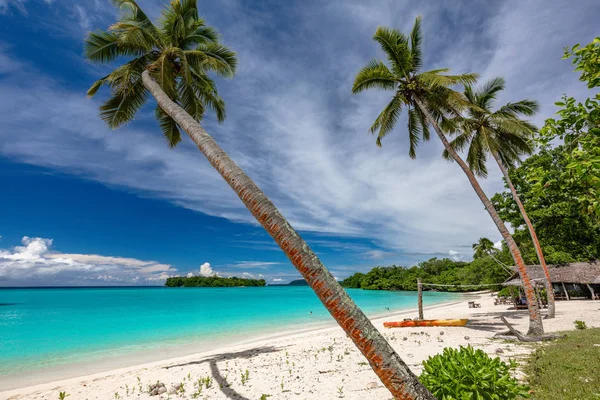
523,107
485,95
213,57
374,75
135,13
199,34
415,45
102,47
169,127
123,105
434,78
477,156
395,45
387,119
458,143
415,132
94,88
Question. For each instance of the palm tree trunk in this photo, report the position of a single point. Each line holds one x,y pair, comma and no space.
536,327
386,363
536,243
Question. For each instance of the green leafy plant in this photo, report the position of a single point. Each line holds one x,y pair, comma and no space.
469,374
63,395
580,324
264,396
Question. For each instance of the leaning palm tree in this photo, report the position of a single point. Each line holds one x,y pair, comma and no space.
430,101
504,135
485,248
172,61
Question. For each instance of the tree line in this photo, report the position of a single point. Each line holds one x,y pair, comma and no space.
212,281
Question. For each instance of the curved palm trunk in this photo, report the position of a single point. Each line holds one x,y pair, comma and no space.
536,243
535,320
386,363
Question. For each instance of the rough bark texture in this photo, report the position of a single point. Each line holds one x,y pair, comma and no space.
386,363
535,320
536,242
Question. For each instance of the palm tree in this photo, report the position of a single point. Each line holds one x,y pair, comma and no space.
484,248
504,135
430,101
171,61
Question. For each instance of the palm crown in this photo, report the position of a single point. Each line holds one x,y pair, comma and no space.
178,53
404,76
483,248
501,132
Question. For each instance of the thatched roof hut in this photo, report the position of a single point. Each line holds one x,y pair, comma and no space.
574,276
580,273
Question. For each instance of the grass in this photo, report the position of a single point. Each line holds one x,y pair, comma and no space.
568,368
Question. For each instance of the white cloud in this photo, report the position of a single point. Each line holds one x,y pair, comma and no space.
455,255
276,279
36,263
498,245
206,270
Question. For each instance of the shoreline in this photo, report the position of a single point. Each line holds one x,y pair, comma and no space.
312,363
79,370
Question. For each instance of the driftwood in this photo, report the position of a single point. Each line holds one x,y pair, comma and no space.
513,333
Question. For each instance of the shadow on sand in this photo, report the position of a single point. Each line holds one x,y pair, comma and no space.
218,376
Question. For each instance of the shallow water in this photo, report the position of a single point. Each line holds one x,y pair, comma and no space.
41,328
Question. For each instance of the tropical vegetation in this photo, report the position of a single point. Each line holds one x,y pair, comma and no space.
430,101
172,62
474,275
466,373
212,281
506,137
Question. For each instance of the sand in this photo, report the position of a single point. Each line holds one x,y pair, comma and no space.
319,364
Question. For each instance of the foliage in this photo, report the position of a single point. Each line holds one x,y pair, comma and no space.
580,324
565,234
566,368
212,281
501,133
508,291
578,126
63,395
409,84
469,374
178,53
440,271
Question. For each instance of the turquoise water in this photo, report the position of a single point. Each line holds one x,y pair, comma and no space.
41,328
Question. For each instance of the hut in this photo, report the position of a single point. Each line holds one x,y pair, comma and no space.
579,280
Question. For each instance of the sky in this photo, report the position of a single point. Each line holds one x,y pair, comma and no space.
81,204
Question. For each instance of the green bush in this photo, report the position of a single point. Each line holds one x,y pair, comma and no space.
580,324
469,374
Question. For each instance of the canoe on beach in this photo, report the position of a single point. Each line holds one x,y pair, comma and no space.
426,322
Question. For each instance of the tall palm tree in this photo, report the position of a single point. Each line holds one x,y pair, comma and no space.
504,135
171,61
485,247
430,102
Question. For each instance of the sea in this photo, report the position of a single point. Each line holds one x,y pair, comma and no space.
45,328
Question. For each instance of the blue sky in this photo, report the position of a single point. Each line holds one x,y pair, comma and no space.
81,204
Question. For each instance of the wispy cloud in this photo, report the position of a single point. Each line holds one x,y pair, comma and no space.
296,129
35,263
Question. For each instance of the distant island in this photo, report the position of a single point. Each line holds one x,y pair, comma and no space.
212,281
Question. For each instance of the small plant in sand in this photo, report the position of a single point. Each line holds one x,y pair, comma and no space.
363,363
580,324
198,391
264,396
62,395
245,377
117,396
341,391
139,383
282,386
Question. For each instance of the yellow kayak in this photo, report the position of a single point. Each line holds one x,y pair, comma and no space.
426,322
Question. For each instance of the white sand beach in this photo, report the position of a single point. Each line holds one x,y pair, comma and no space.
319,364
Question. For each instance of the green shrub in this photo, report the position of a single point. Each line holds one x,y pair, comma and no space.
580,324
509,291
469,374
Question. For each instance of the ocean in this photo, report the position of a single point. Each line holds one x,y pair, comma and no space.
51,327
